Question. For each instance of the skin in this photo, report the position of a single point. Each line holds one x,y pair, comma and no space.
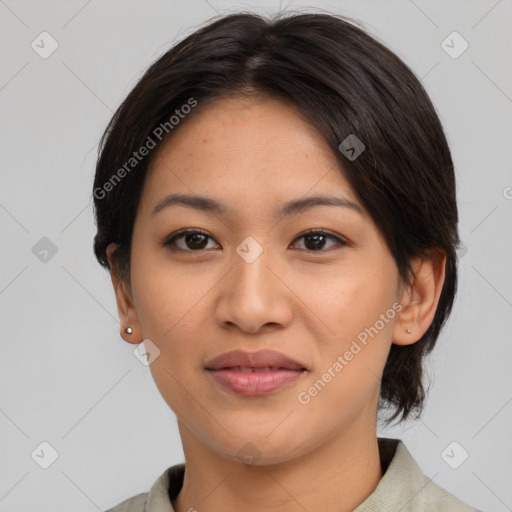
252,155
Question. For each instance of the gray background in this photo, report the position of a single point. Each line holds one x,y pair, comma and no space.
66,376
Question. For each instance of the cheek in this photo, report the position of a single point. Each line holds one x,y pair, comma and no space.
356,304
350,298
346,379
170,305
164,295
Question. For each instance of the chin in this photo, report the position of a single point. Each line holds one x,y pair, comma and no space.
262,451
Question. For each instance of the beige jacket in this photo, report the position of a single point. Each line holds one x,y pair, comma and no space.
403,488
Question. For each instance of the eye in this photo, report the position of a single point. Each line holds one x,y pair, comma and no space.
315,240
195,240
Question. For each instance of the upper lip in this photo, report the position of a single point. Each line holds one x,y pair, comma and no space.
260,359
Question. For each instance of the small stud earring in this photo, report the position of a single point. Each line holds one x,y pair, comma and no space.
128,330
408,331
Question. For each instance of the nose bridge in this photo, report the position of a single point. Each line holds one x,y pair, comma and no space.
254,296
251,279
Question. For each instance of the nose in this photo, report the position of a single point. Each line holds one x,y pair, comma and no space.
254,296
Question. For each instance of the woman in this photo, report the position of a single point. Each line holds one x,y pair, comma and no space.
275,202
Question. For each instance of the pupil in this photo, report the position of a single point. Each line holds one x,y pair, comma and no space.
196,239
317,239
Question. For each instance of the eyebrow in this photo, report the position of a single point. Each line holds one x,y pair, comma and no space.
207,204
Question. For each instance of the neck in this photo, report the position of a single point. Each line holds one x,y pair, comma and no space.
338,475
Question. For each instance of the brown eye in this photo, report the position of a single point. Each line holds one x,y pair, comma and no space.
191,240
317,240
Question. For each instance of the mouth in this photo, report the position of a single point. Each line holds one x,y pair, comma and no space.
248,369
254,373
261,360
255,381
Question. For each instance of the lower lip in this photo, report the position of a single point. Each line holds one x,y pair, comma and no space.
254,383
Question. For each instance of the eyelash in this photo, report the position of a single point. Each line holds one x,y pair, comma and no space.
170,241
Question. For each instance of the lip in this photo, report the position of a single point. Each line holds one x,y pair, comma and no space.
260,359
254,373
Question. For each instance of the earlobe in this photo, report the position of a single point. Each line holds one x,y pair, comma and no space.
419,300
129,324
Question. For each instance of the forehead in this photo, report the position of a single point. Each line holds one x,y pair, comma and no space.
249,149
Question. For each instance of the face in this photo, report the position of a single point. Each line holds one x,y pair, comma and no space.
250,276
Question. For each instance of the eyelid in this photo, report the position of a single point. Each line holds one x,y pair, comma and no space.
168,241
341,241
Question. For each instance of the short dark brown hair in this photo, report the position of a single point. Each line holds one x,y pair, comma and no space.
345,82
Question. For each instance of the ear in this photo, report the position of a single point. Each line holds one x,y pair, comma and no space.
419,300
125,307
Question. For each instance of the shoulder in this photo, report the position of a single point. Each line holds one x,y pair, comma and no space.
133,504
421,491
437,499
158,498
404,487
